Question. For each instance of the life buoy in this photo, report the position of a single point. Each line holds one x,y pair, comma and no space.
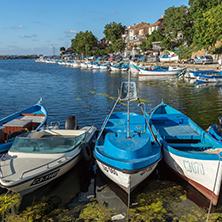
86,151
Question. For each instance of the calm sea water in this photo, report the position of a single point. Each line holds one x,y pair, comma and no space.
87,95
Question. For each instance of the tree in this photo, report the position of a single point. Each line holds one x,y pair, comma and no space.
113,33
84,43
62,50
156,36
175,19
198,7
208,30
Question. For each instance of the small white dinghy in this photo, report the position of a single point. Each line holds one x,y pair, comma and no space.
39,157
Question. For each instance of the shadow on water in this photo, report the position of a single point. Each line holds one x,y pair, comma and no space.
66,191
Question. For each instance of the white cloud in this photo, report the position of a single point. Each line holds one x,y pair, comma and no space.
28,36
71,32
18,27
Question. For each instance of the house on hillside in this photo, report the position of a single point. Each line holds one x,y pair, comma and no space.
135,35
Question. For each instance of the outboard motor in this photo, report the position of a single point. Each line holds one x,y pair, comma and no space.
71,123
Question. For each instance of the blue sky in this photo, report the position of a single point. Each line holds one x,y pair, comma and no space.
43,26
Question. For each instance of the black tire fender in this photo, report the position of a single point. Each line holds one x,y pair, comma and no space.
86,151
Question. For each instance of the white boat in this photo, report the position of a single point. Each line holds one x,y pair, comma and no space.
115,67
75,64
169,58
161,71
83,65
39,157
126,150
96,66
103,66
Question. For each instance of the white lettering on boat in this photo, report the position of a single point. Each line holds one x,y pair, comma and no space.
44,178
109,170
194,167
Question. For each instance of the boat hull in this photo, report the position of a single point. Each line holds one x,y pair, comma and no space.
197,172
157,73
126,180
39,180
33,117
23,170
188,150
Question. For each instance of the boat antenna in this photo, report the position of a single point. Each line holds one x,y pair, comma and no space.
128,107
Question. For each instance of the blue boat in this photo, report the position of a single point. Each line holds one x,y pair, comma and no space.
31,118
188,150
125,150
209,78
196,73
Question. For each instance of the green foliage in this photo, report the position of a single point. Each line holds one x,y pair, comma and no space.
62,49
84,43
175,19
185,52
7,202
166,42
113,33
156,36
208,30
198,7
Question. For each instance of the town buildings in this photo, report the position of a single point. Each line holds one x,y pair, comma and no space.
135,35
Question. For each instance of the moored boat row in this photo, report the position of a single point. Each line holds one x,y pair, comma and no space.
127,150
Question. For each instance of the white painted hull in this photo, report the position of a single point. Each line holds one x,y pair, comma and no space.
23,172
126,181
157,73
199,173
83,66
76,65
114,69
103,67
95,67
209,80
31,181
169,59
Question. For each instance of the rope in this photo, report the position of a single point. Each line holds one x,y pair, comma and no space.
154,136
108,118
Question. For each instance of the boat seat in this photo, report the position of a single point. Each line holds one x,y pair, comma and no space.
194,146
184,132
182,137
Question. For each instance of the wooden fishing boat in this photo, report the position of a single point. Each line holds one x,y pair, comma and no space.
189,151
193,74
39,157
134,68
210,78
31,118
125,150
160,71
115,67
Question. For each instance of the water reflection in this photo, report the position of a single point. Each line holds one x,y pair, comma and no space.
207,85
110,195
159,78
63,192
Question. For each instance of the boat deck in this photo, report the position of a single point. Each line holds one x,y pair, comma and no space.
177,132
